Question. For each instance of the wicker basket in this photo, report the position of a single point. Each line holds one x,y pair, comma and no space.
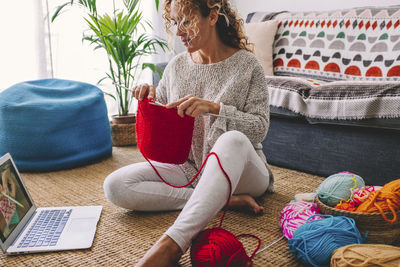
123,134
377,229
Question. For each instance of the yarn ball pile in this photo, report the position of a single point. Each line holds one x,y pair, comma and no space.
218,247
296,214
314,242
366,255
358,196
337,187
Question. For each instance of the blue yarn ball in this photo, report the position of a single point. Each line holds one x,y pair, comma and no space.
337,187
314,242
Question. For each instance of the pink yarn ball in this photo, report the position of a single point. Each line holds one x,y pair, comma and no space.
296,214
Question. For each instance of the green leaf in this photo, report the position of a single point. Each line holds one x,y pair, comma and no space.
59,8
102,79
153,67
111,95
90,4
157,4
131,5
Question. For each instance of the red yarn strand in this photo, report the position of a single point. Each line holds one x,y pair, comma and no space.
198,172
256,237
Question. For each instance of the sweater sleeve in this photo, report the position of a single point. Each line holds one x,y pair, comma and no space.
252,119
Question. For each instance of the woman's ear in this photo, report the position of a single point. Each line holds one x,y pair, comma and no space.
213,16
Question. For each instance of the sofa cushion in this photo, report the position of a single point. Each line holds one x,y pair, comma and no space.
54,124
339,100
262,34
357,44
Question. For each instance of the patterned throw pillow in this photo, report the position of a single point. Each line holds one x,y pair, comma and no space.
351,44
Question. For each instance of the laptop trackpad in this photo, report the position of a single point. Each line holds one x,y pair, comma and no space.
82,224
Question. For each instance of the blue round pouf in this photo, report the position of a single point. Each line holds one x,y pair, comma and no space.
54,124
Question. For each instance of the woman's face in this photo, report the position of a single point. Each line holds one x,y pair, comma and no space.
189,38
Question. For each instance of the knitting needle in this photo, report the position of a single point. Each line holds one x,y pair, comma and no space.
156,103
10,198
276,241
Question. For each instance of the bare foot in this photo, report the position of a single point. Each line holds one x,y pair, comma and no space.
245,202
164,253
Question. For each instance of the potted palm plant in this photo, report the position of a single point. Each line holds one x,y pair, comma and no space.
117,34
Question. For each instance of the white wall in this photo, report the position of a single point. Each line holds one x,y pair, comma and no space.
246,6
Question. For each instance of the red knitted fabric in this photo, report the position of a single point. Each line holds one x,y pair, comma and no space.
162,135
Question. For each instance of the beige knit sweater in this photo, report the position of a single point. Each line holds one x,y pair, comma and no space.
237,83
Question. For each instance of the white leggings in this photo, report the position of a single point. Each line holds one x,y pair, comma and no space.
137,186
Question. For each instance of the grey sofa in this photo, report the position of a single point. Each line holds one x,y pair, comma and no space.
335,93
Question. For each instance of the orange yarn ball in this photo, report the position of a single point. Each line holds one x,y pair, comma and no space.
386,199
346,205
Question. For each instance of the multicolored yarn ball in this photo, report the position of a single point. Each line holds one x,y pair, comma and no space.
357,198
360,195
337,187
295,214
314,242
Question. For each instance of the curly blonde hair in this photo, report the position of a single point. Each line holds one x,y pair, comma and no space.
229,25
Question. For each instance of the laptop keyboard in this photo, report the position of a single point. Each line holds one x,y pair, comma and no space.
46,229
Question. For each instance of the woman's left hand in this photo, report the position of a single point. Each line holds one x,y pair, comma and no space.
194,106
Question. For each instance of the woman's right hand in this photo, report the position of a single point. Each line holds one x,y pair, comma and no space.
141,91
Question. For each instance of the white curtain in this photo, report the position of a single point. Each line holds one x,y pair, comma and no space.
22,43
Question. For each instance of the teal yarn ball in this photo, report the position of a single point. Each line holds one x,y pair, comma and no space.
337,187
314,242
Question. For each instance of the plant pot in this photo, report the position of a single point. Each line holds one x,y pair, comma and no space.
123,119
123,131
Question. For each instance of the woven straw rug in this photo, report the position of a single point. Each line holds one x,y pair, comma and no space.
123,237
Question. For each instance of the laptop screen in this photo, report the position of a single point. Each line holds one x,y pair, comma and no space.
14,201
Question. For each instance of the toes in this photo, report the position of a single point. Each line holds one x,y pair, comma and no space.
258,210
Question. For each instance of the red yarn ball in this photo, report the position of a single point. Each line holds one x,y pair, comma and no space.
218,247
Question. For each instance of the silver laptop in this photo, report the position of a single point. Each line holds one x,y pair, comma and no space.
27,229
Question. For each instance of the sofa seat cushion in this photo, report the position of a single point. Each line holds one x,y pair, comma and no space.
364,103
54,124
349,44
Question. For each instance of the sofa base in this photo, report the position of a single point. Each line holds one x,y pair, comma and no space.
322,149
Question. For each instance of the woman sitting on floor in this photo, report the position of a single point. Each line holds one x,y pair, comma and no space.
217,74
